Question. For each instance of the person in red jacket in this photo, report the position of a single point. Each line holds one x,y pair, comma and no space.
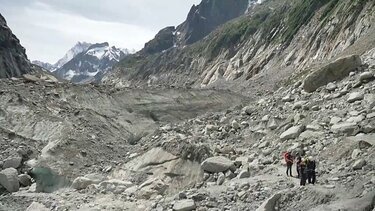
289,163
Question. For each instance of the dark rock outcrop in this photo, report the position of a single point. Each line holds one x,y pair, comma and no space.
13,59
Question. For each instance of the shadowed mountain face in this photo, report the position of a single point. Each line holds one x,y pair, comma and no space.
13,59
201,20
207,16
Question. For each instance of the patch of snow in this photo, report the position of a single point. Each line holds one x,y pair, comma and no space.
70,74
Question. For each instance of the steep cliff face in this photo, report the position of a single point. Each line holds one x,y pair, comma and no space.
201,20
274,40
13,59
205,17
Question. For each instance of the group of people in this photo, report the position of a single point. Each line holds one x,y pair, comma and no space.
305,167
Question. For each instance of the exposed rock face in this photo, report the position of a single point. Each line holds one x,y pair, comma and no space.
13,59
208,15
163,40
334,71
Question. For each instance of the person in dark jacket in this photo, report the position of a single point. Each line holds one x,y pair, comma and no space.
310,168
289,163
298,165
303,172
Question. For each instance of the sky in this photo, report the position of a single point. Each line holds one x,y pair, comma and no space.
49,28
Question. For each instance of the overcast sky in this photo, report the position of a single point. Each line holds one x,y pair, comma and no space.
49,28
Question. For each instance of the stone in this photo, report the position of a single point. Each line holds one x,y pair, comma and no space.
359,164
313,127
365,76
355,96
356,119
25,180
220,179
35,206
235,125
82,183
30,78
355,153
335,120
333,71
270,203
287,98
292,132
184,205
272,124
13,162
310,134
331,87
9,179
243,174
347,128
299,104
217,164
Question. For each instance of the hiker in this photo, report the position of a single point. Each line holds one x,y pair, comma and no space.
303,172
310,168
289,163
298,165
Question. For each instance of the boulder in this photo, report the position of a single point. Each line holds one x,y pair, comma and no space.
220,179
235,125
82,182
355,96
35,206
292,132
243,174
331,86
270,203
347,128
9,179
359,164
184,205
25,180
355,153
333,71
365,76
13,162
217,164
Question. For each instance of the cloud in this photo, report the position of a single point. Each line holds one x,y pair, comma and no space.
48,28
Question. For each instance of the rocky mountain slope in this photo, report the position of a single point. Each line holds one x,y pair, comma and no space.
272,41
227,160
90,64
13,59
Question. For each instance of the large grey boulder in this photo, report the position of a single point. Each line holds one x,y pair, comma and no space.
9,179
270,203
359,164
82,182
348,128
35,206
292,132
333,71
217,164
12,162
184,205
355,96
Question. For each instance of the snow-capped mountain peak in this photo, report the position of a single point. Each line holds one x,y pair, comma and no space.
92,63
77,49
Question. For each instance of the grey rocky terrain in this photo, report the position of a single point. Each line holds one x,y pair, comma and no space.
185,132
